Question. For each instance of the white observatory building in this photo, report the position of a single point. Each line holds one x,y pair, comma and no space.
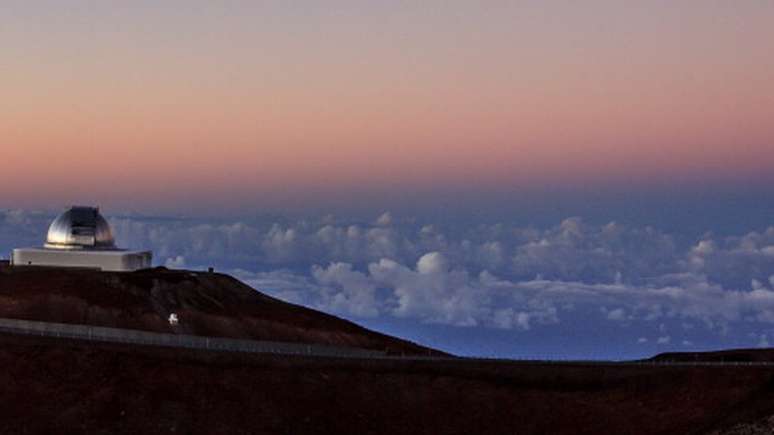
81,237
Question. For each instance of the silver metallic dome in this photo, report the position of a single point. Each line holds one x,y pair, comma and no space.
80,228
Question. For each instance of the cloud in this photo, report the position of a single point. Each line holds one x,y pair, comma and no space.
177,262
507,318
384,220
280,244
433,263
734,261
433,292
572,250
430,292
617,314
17,217
350,292
498,276
20,228
577,251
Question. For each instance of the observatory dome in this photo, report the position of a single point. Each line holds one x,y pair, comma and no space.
80,228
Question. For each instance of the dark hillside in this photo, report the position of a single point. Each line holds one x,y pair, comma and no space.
208,304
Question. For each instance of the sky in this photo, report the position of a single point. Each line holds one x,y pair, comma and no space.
254,136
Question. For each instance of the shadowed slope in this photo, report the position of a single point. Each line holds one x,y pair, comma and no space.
207,304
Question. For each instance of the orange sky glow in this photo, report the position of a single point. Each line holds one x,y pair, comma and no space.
153,105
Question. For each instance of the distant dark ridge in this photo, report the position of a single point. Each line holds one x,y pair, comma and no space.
731,355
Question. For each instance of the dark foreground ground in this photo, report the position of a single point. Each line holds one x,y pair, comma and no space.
58,386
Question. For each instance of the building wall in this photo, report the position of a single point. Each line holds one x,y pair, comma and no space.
116,261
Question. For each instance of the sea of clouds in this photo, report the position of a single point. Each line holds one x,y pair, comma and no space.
492,276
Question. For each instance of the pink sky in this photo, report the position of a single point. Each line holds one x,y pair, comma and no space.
148,105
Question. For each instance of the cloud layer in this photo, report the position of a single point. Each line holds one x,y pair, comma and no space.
491,276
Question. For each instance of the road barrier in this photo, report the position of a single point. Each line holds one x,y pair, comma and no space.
133,336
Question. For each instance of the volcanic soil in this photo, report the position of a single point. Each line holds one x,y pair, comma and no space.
61,386
51,385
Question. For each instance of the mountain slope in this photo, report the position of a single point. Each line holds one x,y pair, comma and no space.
207,304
